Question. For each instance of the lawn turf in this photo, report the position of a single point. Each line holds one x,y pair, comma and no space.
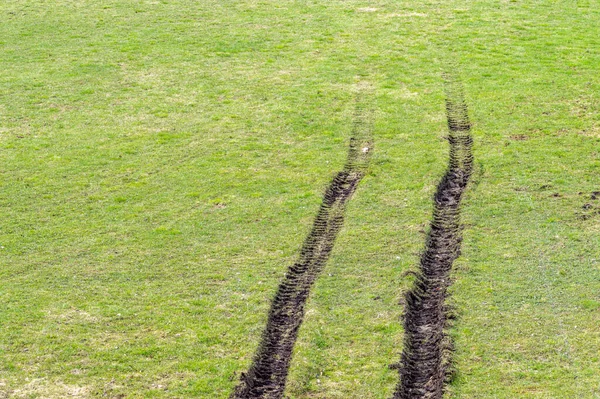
161,162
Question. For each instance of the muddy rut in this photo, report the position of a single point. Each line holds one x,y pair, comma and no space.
267,375
425,360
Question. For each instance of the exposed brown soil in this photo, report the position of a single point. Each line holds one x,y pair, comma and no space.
267,375
425,360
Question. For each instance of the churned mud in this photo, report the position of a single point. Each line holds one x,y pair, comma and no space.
267,375
425,360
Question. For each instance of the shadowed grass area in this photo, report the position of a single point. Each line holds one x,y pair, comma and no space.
160,161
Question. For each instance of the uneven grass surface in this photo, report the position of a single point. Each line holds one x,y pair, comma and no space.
162,161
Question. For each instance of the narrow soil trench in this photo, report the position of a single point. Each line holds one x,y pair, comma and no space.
425,360
267,375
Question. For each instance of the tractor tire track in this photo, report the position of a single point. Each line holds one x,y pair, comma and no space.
267,375
425,359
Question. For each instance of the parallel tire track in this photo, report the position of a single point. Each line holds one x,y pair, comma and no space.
267,375
427,348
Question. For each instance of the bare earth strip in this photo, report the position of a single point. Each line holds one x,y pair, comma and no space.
267,375
427,347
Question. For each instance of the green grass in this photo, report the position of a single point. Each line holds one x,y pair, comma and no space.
161,163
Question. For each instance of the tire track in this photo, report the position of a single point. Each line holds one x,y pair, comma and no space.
268,372
425,360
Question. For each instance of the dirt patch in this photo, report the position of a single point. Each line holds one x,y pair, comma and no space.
519,137
424,365
593,131
267,375
591,208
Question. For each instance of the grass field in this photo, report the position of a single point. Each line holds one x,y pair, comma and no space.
162,161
